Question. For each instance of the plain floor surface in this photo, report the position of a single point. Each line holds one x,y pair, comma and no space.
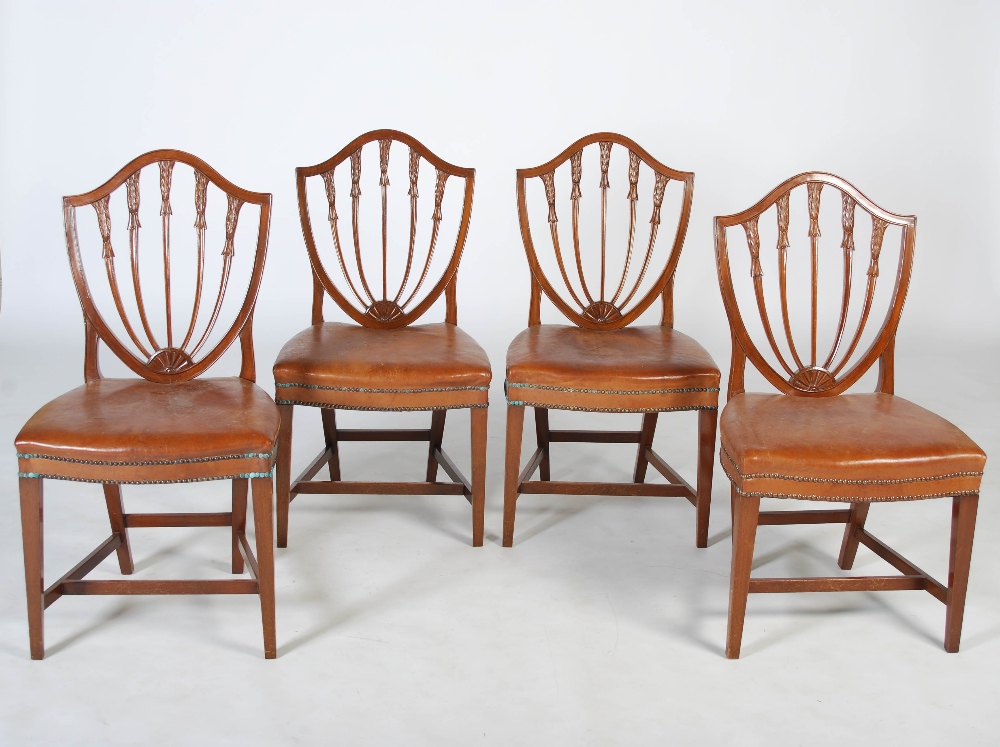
603,625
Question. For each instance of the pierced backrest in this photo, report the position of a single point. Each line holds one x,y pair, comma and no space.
627,277
811,367
166,312
378,291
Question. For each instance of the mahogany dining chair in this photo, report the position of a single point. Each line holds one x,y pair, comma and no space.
812,441
600,363
383,361
170,425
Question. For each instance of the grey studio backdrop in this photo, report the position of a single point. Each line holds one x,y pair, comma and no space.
382,604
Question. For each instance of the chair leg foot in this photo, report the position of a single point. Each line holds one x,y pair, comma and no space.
707,423
31,535
744,533
241,486
963,527
283,471
116,514
264,531
479,423
849,545
512,466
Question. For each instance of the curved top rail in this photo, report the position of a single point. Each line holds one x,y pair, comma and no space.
606,137
369,137
165,154
606,306
803,372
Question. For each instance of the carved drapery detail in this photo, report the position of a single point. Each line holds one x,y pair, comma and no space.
200,199
331,195
356,173
442,179
782,208
753,242
549,180
166,175
813,191
383,160
659,189
605,163
878,233
848,220
132,197
633,176
414,173
576,168
104,225
232,217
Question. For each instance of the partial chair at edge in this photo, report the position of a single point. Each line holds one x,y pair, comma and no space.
813,442
600,363
383,362
169,426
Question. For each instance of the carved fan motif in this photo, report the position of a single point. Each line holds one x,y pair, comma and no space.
384,311
170,360
602,312
813,379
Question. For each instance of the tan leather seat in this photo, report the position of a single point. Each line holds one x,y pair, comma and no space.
133,430
855,447
353,367
635,369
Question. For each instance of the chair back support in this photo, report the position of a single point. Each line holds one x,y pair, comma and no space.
176,350
803,369
615,295
368,290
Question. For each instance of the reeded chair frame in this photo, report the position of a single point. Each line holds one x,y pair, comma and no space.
390,311
596,309
811,376
173,364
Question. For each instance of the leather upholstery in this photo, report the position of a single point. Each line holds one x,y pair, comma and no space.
636,369
133,430
852,447
418,367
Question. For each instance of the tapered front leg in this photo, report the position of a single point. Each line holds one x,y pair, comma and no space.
645,442
329,416
437,435
31,534
116,515
264,531
744,533
283,471
512,466
963,527
849,545
479,420
241,487
707,423
542,437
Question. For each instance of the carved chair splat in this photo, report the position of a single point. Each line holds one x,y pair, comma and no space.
385,361
812,441
601,363
171,425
